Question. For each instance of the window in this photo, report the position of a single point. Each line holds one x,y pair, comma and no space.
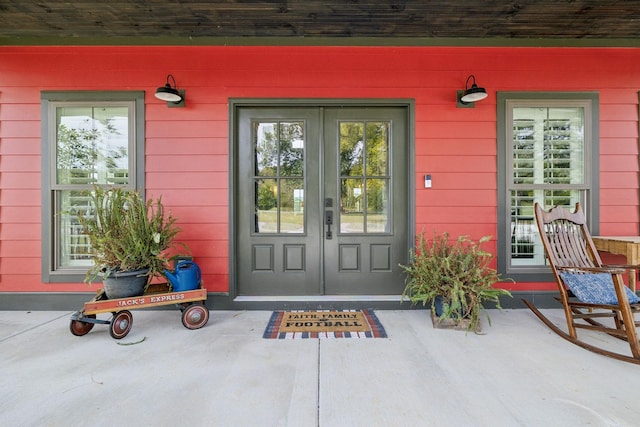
547,153
88,138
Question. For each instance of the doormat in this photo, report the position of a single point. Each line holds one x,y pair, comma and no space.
324,324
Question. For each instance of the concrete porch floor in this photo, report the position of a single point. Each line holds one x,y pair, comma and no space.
518,374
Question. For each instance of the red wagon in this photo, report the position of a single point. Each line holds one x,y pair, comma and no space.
191,303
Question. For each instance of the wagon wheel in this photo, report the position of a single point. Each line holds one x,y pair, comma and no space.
195,316
121,324
80,328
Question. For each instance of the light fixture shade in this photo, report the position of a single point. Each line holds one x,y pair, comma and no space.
474,94
471,94
170,93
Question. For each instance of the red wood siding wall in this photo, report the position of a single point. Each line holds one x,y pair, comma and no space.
187,149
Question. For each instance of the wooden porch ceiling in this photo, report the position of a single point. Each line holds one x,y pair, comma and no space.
27,21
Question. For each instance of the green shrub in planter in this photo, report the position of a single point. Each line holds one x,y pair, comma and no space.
457,271
127,232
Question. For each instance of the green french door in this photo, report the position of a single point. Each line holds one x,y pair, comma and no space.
321,201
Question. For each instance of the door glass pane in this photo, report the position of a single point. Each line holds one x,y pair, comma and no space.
92,145
279,155
351,206
266,148
351,148
377,148
377,206
291,149
266,215
291,205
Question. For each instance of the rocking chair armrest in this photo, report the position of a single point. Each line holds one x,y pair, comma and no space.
604,269
623,266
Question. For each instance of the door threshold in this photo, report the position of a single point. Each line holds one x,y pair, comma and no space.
320,298
308,302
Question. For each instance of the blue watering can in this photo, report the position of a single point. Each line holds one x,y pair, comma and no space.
186,276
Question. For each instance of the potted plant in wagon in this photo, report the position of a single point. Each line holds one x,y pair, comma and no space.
454,277
129,238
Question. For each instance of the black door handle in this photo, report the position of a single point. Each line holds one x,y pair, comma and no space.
328,219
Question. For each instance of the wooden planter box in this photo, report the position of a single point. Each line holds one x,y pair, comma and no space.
458,325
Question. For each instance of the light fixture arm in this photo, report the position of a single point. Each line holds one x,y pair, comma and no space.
175,86
466,85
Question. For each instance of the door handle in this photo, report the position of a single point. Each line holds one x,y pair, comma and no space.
328,219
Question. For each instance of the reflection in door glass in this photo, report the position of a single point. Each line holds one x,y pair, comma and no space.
279,154
377,205
351,146
364,177
351,206
266,219
377,154
291,205
266,149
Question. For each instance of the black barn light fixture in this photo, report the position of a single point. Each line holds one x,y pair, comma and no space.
171,94
470,95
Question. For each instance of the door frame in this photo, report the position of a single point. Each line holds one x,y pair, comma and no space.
235,104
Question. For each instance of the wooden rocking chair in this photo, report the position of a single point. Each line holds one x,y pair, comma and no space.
589,291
